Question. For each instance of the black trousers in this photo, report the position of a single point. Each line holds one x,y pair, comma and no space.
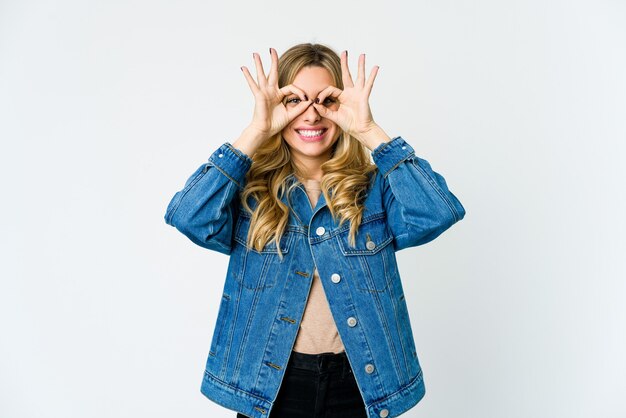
318,386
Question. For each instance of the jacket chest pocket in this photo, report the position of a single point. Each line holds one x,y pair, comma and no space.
372,257
257,269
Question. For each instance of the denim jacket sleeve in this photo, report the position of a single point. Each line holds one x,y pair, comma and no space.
206,209
417,201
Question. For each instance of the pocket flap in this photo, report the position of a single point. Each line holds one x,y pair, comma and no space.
241,236
371,237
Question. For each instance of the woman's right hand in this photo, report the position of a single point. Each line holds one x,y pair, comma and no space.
270,114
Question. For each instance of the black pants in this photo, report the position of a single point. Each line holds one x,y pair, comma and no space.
318,386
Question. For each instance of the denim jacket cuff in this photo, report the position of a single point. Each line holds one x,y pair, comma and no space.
231,162
389,155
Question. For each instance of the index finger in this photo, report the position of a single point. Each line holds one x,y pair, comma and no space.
290,88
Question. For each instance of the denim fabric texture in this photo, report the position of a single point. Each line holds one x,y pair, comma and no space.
318,386
263,298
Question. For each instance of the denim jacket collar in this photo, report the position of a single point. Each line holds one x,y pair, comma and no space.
297,199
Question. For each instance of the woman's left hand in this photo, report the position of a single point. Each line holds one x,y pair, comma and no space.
353,114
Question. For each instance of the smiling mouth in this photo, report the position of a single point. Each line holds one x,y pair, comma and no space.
311,134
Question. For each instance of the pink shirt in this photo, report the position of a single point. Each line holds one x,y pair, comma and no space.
318,332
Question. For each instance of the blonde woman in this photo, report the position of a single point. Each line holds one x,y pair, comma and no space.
311,203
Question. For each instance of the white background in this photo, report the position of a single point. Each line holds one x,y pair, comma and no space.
106,108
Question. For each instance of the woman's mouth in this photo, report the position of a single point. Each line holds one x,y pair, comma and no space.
311,135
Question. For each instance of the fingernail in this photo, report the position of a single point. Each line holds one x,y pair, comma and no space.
317,100
270,51
241,68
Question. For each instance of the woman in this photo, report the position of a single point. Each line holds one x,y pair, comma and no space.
312,320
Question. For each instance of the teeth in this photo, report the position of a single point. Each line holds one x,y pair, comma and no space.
311,133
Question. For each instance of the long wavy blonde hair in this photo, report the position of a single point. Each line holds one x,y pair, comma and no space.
346,175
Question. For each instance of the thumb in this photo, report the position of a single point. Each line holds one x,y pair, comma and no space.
299,108
325,112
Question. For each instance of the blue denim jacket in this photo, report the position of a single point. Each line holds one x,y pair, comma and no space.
264,297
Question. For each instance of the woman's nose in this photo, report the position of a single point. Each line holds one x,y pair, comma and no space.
311,114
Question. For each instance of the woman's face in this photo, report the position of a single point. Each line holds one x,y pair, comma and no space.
307,144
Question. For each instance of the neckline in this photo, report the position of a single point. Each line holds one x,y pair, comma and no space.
307,181
312,184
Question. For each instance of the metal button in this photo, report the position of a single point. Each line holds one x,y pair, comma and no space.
403,147
351,321
369,368
335,278
221,155
383,413
320,230
370,245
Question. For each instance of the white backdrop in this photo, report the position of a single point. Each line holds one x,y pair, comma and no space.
107,107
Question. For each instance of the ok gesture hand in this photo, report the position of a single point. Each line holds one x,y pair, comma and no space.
353,115
270,114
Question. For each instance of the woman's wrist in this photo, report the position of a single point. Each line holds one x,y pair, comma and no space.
249,141
373,137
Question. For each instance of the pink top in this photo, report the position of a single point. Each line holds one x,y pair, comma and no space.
318,332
